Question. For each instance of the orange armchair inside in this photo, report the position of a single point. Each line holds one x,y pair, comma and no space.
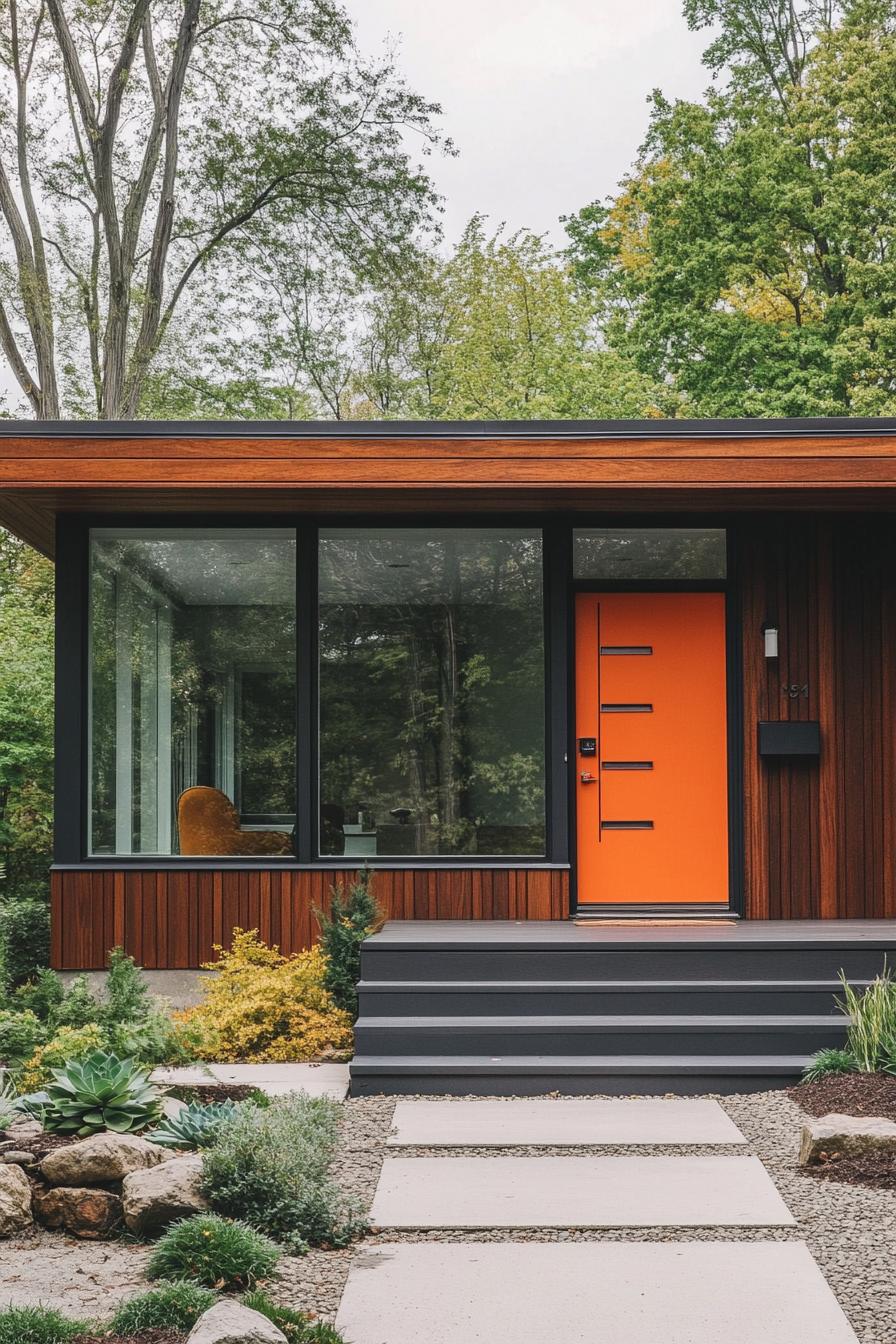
208,823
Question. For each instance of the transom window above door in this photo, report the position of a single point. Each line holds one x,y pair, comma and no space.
676,554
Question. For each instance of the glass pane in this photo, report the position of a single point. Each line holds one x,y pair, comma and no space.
192,695
431,692
649,553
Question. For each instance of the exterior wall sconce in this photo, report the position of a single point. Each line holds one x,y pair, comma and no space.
770,639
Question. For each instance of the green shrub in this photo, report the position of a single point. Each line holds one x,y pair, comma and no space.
36,1325
20,1035
828,1062
269,1166
177,1305
196,1126
353,916
296,1325
218,1252
25,934
78,1007
67,1044
40,995
101,1092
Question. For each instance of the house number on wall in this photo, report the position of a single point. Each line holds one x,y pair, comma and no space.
796,692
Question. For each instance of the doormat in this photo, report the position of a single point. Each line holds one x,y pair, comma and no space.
652,923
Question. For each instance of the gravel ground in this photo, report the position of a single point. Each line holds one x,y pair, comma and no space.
850,1230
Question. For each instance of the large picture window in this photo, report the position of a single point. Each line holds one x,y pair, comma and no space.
192,691
431,692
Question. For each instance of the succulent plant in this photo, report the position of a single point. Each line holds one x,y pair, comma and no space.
101,1092
194,1126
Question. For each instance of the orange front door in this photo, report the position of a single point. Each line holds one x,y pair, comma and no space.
650,751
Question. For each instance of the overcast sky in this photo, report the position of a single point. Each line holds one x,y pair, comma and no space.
544,99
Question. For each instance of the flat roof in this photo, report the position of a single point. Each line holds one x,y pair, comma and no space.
756,427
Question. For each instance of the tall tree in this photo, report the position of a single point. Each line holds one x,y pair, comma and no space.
498,331
148,144
748,258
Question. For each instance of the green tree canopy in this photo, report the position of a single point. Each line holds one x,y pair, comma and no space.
148,147
748,259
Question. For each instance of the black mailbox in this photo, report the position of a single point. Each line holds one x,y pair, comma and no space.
796,738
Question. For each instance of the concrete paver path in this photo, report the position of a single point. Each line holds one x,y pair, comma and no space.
478,1192
590,1293
318,1080
564,1121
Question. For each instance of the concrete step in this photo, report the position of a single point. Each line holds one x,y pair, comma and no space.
577,1075
617,962
456,998
570,1035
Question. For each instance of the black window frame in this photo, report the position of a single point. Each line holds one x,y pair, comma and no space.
71,825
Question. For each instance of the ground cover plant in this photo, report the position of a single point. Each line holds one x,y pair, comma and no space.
261,1006
295,1325
177,1304
37,1325
213,1251
269,1167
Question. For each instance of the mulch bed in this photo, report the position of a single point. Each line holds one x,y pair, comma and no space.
848,1094
41,1144
852,1094
876,1170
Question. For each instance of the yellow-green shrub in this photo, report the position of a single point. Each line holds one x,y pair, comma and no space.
262,1006
67,1043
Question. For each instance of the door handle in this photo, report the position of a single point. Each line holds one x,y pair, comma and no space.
587,778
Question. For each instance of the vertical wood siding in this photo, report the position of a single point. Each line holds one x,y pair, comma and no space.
173,919
820,836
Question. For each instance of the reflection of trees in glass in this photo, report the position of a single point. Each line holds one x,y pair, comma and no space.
649,553
201,628
432,689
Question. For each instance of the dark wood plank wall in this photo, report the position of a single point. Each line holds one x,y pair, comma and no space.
820,837
173,919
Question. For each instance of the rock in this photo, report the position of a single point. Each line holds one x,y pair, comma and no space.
15,1201
24,1129
102,1157
18,1157
172,1107
229,1322
845,1136
85,1212
154,1198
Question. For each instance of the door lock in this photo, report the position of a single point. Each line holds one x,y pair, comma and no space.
587,777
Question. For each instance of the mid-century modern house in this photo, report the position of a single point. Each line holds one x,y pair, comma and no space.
608,709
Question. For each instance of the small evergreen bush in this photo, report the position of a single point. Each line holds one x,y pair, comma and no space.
20,1035
214,1251
25,935
68,1044
296,1326
269,1166
177,1304
37,1325
352,917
